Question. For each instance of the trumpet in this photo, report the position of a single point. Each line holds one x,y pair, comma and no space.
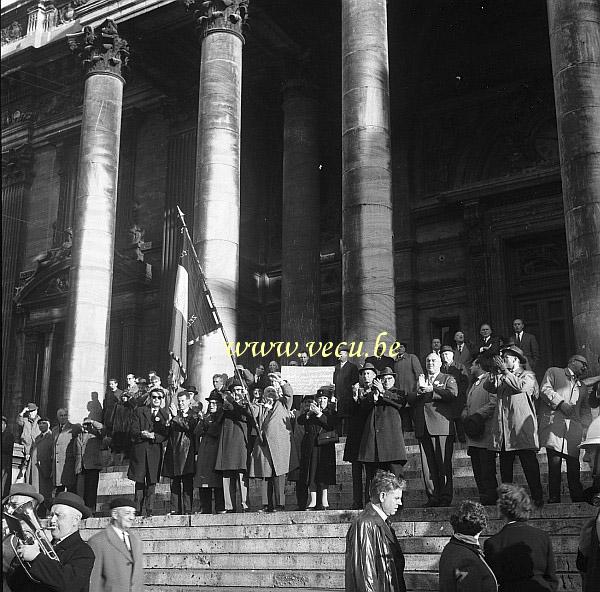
24,526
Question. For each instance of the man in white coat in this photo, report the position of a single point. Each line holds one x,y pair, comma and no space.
564,415
119,565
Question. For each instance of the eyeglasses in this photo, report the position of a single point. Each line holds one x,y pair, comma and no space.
157,397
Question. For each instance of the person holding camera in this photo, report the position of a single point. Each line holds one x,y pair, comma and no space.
88,460
514,423
317,450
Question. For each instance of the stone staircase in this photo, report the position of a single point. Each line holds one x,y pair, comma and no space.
293,549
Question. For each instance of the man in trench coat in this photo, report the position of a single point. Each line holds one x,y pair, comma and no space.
514,423
564,415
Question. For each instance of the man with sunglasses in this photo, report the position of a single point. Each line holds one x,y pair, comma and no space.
149,428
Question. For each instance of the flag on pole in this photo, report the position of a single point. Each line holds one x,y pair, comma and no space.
194,313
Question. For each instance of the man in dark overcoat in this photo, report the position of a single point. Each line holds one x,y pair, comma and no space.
232,454
434,428
461,375
345,376
179,462
71,573
408,369
148,431
374,558
382,443
358,416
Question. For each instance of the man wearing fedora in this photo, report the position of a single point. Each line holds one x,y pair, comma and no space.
434,428
119,561
367,374
514,424
564,416
477,416
382,443
71,573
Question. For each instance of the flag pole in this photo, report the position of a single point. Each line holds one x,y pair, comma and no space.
232,356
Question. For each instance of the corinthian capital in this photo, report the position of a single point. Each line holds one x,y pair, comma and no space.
218,15
101,50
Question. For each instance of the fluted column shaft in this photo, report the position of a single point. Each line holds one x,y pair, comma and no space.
15,179
89,302
300,252
367,239
574,27
216,228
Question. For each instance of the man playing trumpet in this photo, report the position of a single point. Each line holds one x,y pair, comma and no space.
68,564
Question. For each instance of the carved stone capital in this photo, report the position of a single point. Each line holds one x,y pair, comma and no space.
218,15
16,165
101,50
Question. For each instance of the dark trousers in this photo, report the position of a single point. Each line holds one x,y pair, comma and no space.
182,491
301,494
272,490
87,487
531,468
436,458
573,475
484,470
144,497
371,469
357,485
205,494
6,479
460,430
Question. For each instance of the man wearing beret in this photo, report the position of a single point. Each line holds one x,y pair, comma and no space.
564,416
119,561
71,573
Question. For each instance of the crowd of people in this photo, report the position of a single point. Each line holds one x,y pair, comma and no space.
251,426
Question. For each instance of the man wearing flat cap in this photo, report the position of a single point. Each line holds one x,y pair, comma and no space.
71,573
563,417
119,561
514,423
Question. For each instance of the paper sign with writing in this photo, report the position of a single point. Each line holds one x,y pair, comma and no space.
305,380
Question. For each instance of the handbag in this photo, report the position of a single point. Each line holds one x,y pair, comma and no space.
329,437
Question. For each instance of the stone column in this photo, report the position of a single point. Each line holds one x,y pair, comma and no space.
16,168
217,194
574,27
104,54
300,252
367,240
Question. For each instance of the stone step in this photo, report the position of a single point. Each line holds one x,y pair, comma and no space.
227,553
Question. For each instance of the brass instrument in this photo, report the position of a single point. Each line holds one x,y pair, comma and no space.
24,525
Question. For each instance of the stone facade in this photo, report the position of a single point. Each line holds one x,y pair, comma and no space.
478,221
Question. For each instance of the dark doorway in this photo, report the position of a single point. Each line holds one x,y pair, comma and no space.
541,295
